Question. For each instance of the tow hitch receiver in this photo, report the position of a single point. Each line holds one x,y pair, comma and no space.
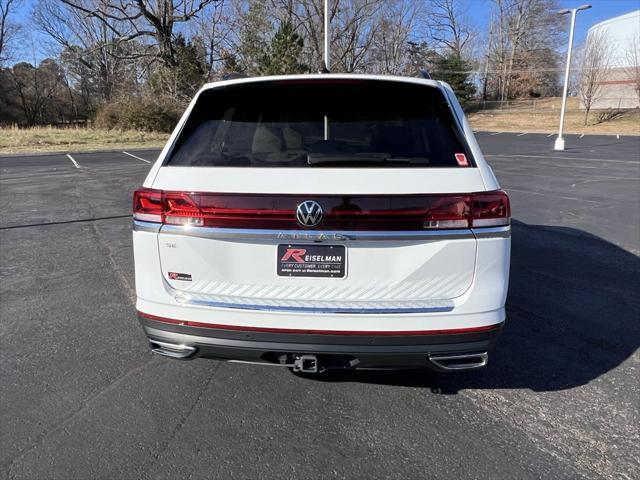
306,364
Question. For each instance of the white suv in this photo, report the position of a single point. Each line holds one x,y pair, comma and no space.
323,221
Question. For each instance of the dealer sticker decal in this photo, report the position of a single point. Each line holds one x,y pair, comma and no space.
461,158
312,261
179,276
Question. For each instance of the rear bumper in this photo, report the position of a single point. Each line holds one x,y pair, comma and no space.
362,351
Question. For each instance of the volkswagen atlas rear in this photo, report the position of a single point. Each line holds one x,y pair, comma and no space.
323,221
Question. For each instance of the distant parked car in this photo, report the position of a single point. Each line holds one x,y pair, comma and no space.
323,221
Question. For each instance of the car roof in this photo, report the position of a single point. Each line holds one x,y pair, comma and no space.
323,76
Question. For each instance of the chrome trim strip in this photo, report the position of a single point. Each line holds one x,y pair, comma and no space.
313,235
325,310
319,235
140,226
492,232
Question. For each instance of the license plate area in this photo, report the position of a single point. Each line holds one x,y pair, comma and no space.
324,261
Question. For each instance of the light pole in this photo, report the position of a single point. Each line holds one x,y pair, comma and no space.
559,145
327,56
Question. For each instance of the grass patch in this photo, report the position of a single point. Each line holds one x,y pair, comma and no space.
544,117
76,139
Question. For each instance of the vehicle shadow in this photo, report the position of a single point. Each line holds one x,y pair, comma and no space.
573,314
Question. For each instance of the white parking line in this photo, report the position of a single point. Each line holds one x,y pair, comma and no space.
507,156
547,194
521,134
550,135
581,136
496,133
135,156
75,164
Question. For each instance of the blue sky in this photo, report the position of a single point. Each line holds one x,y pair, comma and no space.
601,10
479,9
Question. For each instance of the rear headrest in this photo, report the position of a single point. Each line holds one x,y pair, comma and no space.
265,141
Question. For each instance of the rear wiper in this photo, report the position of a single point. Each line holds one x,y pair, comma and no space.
317,158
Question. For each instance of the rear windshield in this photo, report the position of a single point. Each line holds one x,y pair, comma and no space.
315,124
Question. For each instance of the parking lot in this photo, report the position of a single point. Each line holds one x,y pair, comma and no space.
81,396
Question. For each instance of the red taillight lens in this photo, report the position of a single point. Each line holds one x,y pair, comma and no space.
365,212
448,212
490,209
147,205
182,209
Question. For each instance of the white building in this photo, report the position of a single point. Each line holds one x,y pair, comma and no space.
623,35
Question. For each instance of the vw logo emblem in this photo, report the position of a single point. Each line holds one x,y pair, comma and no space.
309,213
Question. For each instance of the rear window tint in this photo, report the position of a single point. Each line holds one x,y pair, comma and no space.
326,123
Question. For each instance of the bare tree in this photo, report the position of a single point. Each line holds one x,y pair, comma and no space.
214,28
524,36
632,70
526,19
144,19
8,29
353,28
88,45
40,91
397,23
366,35
450,27
595,68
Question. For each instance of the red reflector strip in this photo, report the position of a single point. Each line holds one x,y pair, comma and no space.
189,323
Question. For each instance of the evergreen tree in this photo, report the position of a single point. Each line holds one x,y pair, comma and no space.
230,65
255,29
451,68
190,70
180,82
283,55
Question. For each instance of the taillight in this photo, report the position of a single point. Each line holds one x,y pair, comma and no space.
364,212
490,209
147,205
448,212
182,209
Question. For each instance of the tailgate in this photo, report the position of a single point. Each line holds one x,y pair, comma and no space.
384,258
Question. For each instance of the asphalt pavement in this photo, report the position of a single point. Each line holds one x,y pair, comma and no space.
82,397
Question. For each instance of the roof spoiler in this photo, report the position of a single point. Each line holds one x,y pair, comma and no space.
234,76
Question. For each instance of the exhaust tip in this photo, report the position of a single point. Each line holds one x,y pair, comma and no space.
172,350
459,362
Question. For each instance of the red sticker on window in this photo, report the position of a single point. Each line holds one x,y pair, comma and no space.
461,158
